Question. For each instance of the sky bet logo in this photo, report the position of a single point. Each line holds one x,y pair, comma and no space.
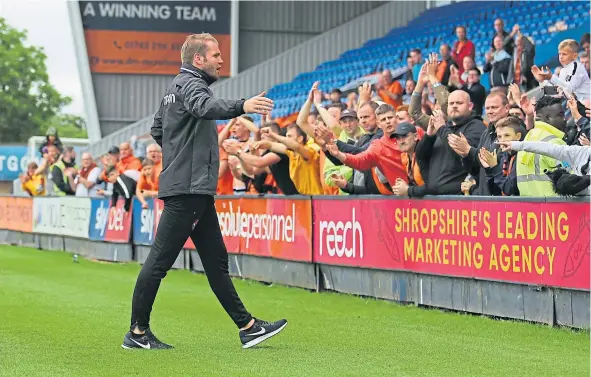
102,216
342,238
147,221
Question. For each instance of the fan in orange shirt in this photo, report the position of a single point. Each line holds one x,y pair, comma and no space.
154,153
127,161
146,187
389,90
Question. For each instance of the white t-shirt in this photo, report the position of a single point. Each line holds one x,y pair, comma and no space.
573,81
93,176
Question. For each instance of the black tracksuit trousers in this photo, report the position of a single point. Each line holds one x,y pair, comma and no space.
183,217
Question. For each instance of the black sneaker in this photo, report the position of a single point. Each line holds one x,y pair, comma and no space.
261,331
148,341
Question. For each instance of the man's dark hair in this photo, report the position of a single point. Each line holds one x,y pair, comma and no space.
337,90
68,149
384,108
515,106
299,130
416,50
547,101
247,118
111,169
514,123
476,70
340,105
462,27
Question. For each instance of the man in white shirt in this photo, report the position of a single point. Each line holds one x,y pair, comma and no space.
88,177
573,78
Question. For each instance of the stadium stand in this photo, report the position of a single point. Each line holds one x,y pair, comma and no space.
427,32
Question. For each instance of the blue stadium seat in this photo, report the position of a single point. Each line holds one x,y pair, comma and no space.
428,31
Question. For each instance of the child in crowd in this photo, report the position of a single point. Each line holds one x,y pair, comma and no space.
501,174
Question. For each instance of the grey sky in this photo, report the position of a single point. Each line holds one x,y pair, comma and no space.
48,26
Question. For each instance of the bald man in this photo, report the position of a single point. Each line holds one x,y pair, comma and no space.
446,171
154,153
127,161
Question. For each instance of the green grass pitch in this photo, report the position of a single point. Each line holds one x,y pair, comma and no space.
59,318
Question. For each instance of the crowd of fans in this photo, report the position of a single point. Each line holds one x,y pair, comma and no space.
420,134
121,174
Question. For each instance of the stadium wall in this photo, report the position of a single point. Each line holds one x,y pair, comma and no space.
266,29
278,69
358,245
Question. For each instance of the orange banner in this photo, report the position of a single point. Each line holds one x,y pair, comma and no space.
16,214
268,227
139,52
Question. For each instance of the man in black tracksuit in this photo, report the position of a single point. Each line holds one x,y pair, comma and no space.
185,128
446,171
497,108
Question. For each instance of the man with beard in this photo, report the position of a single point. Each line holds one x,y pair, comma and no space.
446,170
497,108
185,128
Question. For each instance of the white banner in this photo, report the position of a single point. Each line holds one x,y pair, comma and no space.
67,216
75,216
47,216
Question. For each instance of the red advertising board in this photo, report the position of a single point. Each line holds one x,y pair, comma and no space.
524,242
269,227
118,224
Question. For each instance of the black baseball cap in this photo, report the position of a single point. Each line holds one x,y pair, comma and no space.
114,150
348,113
403,129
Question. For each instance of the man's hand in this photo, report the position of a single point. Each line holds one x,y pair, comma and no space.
572,105
100,192
339,181
467,185
364,93
400,188
459,144
317,97
262,144
431,130
145,205
438,119
488,56
312,91
488,159
423,75
515,92
432,66
333,150
527,105
583,140
323,134
231,146
515,30
505,146
541,74
258,104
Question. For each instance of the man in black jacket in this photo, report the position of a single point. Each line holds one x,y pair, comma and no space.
497,108
122,186
185,128
446,171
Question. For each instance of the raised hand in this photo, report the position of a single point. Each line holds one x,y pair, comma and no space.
505,146
258,104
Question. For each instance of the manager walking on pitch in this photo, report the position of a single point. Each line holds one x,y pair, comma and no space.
185,128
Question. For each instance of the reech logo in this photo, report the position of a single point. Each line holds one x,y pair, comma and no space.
334,237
